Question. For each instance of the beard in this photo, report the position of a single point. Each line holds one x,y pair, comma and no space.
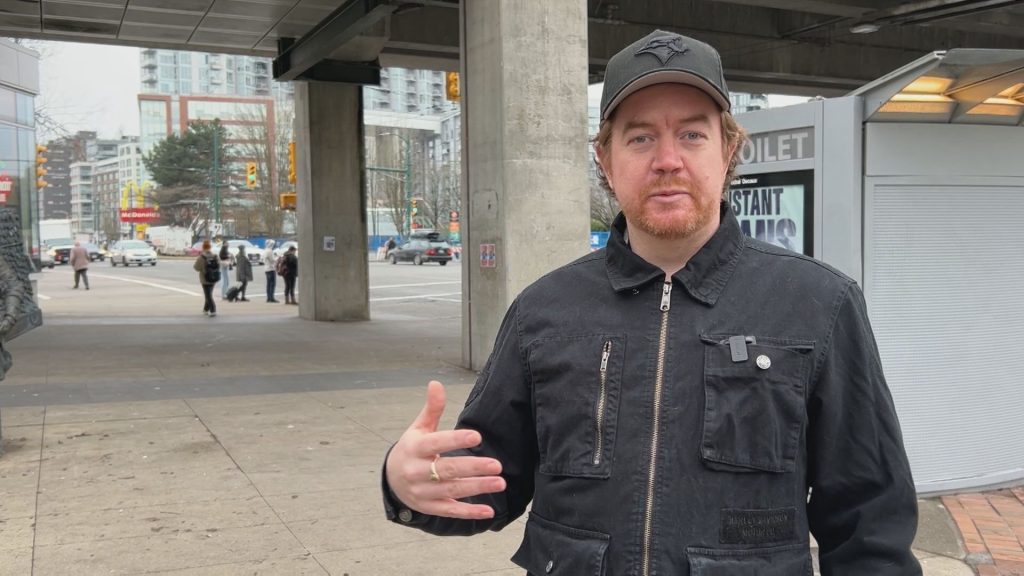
670,222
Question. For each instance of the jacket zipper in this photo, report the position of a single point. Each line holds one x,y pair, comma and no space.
659,377
599,438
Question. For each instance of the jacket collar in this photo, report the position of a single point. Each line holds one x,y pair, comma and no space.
704,276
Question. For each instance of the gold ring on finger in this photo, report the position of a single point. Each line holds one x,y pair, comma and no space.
434,477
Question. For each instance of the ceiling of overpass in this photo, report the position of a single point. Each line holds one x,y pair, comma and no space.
801,46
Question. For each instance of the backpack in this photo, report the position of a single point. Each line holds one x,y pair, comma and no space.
212,271
280,266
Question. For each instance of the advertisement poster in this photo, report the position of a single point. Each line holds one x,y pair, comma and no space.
776,208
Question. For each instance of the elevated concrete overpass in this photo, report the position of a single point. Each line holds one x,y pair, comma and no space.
525,66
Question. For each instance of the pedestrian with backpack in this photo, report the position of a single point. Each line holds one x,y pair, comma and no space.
290,271
208,267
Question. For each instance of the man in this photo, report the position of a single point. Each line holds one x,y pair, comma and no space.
268,261
79,260
686,401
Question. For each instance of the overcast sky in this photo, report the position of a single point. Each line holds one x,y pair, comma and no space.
90,87
94,87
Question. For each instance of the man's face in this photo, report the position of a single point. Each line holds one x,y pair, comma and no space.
666,161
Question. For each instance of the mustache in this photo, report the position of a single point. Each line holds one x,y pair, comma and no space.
667,182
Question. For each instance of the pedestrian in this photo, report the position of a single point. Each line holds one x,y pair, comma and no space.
291,272
268,261
391,244
243,272
687,400
79,260
225,269
207,265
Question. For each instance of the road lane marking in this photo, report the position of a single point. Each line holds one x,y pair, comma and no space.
150,284
420,297
414,285
42,297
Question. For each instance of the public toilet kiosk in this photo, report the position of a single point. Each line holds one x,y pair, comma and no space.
913,185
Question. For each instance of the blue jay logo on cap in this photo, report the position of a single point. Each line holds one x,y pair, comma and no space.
664,48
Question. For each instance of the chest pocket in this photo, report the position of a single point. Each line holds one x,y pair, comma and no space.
754,403
576,390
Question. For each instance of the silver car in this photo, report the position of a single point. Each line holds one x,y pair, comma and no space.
127,252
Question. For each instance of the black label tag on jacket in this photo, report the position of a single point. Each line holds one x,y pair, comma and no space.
758,526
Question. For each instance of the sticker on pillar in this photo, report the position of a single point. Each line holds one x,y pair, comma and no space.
488,258
328,243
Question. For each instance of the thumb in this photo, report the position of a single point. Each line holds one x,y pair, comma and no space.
430,416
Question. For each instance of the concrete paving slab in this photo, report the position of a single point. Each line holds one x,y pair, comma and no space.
941,566
64,414
142,521
188,549
21,446
16,534
483,553
319,505
20,416
937,533
16,562
352,532
304,565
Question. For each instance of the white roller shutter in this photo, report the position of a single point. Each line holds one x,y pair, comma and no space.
944,280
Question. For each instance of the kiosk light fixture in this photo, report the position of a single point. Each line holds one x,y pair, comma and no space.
864,28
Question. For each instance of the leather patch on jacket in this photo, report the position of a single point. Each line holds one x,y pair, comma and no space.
758,526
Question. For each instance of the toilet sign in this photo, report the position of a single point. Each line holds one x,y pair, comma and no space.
778,146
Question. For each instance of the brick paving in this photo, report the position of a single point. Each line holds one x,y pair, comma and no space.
992,526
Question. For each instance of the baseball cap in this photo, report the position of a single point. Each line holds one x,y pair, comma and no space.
662,57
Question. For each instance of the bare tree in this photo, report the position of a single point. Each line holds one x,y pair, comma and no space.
260,142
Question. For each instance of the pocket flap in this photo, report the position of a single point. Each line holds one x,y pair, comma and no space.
793,560
552,548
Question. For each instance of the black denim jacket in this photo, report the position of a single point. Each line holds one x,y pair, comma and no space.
679,428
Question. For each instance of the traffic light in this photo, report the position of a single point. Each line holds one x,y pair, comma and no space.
415,210
286,201
250,174
291,162
40,169
452,90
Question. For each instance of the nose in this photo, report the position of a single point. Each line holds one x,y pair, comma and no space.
667,157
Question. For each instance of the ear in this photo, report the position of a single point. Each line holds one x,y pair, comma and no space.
603,164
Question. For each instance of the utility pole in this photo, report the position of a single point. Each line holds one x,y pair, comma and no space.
216,172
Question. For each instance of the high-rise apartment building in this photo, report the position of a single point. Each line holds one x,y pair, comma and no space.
198,73
414,91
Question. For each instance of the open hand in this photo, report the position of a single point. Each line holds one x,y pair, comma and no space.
430,484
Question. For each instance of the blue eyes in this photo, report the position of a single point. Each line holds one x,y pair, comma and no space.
685,136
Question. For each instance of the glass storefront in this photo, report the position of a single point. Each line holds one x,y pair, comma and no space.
17,159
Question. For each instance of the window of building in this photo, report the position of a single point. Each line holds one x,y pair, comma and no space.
26,113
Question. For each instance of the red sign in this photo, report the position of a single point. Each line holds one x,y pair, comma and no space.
6,186
143,214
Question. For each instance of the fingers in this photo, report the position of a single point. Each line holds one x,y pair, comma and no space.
430,416
456,509
466,467
438,493
429,445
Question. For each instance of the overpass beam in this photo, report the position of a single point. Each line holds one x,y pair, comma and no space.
333,270
525,127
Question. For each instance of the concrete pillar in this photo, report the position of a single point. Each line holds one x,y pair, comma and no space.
524,78
333,283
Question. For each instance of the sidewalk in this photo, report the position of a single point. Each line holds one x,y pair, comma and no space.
263,468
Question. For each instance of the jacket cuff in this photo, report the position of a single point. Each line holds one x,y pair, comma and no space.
395,509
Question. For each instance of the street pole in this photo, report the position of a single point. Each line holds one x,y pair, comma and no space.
216,172
407,184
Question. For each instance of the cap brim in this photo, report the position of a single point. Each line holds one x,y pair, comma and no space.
667,77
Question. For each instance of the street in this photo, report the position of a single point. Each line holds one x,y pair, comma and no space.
140,334
171,289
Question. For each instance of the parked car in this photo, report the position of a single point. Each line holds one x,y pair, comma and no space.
127,252
420,249
195,250
45,260
95,252
252,252
60,253
280,250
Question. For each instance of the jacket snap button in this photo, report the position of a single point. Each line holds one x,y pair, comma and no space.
636,291
764,362
550,566
405,515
